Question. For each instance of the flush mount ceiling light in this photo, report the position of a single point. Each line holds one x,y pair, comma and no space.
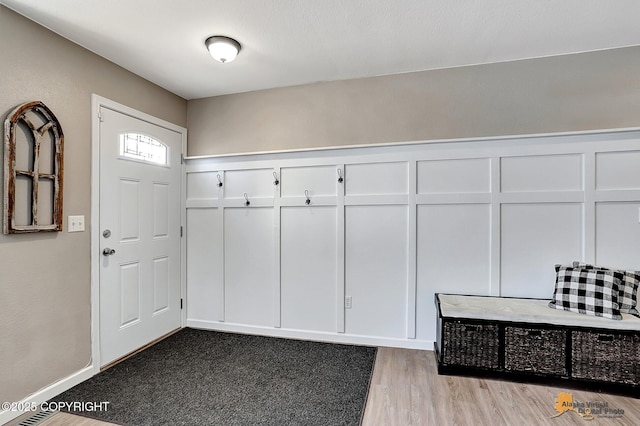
222,49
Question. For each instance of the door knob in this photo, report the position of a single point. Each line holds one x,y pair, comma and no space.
108,251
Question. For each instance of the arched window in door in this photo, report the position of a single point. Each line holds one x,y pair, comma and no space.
33,170
136,146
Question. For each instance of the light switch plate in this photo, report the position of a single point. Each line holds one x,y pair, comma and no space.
75,224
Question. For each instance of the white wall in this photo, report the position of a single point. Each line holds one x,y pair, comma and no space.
488,217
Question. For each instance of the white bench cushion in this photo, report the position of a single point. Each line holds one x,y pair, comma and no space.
525,310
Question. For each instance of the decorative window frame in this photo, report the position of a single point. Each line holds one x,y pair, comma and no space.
139,157
50,129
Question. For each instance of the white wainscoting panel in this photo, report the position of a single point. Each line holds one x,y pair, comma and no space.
618,170
485,216
309,270
376,270
377,178
467,175
319,181
205,292
203,185
454,251
541,173
618,235
249,254
255,183
535,237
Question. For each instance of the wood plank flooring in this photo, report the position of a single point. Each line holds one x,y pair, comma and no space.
407,390
65,419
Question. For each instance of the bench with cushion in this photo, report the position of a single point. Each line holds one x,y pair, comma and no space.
524,339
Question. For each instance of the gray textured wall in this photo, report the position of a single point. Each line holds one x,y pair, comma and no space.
45,283
596,90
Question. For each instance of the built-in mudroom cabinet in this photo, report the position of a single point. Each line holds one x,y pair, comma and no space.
351,244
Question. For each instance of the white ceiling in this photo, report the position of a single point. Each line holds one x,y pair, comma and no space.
291,42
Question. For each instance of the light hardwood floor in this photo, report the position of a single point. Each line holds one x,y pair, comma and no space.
407,390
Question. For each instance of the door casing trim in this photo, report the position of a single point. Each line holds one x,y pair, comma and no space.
98,102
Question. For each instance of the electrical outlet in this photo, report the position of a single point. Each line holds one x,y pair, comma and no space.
347,302
75,224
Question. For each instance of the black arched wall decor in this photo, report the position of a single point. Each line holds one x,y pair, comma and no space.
33,170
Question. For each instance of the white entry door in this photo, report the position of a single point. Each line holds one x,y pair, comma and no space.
140,181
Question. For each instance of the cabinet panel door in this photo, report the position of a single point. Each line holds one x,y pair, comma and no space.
376,270
308,262
249,266
454,247
204,264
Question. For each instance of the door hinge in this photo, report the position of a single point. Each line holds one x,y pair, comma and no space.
100,117
181,231
181,304
181,158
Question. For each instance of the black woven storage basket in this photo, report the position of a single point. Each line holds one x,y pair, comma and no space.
608,357
535,350
470,345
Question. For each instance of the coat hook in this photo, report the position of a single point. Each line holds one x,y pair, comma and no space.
219,181
340,175
247,202
275,176
306,194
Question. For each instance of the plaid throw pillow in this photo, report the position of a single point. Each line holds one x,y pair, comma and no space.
587,291
628,297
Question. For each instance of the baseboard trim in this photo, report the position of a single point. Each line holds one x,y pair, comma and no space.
47,393
351,339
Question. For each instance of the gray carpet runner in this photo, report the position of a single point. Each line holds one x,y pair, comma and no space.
198,377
